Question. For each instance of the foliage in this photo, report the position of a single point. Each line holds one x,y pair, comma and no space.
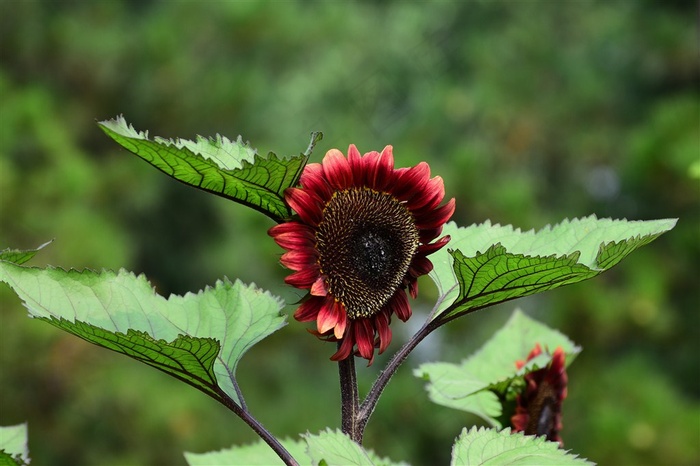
230,169
506,448
515,264
479,382
13,445
531,113
199,339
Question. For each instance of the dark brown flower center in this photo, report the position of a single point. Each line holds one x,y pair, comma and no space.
366,241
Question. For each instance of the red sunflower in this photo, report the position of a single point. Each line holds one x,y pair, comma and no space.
538,408
361,237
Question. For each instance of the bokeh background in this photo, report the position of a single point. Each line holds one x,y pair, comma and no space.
532,111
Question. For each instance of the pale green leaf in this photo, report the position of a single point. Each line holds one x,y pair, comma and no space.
334,448
180,335
20,256
488,264
231,169
255,454
488,447
13,445
472,385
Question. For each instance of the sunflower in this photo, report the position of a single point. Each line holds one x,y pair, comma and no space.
538,407
359,240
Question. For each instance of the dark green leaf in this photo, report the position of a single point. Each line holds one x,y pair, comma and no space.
516,263
20,256
181,335
186,358
231,169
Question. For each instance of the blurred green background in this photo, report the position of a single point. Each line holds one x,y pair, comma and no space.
532,111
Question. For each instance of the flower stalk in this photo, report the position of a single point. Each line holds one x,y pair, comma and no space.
350,401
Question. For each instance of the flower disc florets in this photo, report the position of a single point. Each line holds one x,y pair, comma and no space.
361,240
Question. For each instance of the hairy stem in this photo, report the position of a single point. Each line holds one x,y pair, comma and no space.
370,402
350,400
259,429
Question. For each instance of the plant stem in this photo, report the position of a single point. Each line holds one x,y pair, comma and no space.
370,402
355,417
259,429
350,399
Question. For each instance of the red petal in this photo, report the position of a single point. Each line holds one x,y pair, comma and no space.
382,321
337,170
379,169
427,249
431,196
436,217
409,181
413,288
342,323
369,161
379,173
364,337
319,287
313,180
308,310
536,351
399,305
306,205
293,235
299,259
519,422
328,316
282,228
420,266
346,346
304,278
356,165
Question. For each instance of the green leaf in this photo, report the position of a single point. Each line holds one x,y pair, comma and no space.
490,447
327,448
231,169
473,384
516,264
13,445
335,448
188,359
20,256
332,447
254,454
198,338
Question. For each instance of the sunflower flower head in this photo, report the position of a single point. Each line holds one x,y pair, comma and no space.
538,407
359,241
